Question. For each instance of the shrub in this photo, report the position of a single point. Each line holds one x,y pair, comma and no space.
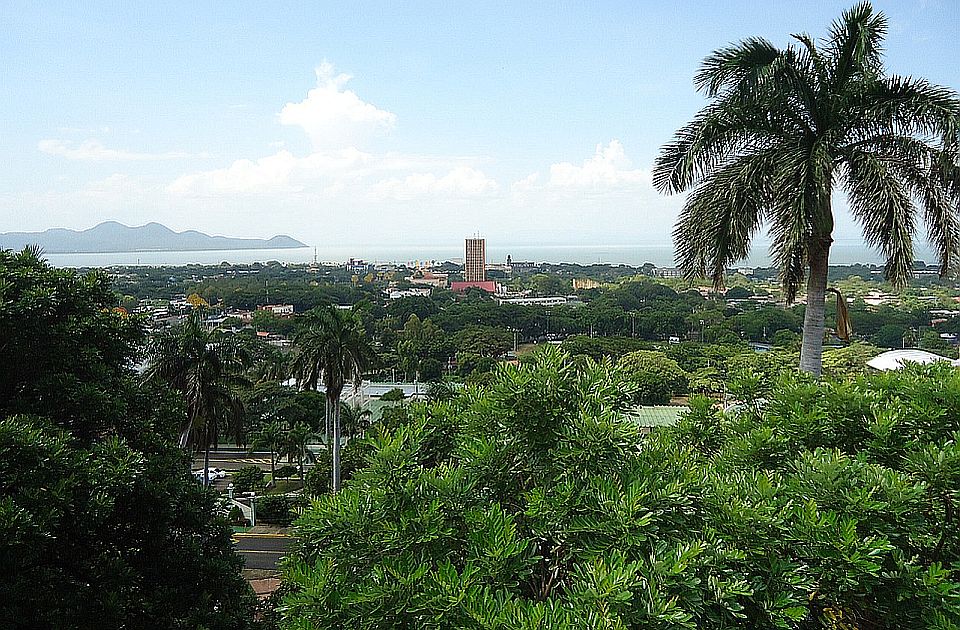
286,471
393,395
248,479
656,376
352,458
235,517
278,509
832,506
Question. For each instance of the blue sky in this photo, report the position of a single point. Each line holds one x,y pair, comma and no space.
407,123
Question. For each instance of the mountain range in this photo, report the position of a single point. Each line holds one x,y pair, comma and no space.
111,236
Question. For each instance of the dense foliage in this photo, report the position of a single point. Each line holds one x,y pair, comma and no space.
101,524
532,503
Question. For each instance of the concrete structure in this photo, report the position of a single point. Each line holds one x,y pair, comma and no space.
475,261
396,294
357,265
429,279
554,300
581,284
668,272
896,359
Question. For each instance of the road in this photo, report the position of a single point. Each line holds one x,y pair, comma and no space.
231,459
262,551
234,459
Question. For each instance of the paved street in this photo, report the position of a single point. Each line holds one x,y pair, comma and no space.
262,551
234,459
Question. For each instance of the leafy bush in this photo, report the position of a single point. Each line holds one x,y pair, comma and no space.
531,503
248,479
318,478
393,395
657,377
430,369
286,471
235,517
278,509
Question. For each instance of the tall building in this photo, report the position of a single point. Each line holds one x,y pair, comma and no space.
475,261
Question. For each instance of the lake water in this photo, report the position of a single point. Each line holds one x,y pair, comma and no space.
842,253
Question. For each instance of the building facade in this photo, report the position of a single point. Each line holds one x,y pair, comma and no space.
475,261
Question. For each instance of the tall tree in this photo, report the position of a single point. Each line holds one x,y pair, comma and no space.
332,349
271,436
354,419
207,368
787,127
101,525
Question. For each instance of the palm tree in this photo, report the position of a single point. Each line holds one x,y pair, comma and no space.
273,367
207,368
271,436
296,446
332,348
786,128
354,419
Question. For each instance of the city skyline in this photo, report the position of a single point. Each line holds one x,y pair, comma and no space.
377,124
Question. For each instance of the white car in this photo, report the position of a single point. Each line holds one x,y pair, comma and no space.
214,473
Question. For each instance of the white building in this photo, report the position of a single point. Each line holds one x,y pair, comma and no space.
896,359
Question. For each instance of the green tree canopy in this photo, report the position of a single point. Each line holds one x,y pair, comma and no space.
656,377
101,524
531,503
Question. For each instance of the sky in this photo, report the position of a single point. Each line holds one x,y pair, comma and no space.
379,123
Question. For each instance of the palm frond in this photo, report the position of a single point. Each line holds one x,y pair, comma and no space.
856,44
744,62
883,207
721,215
909,106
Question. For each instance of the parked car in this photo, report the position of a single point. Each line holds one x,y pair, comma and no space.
214,473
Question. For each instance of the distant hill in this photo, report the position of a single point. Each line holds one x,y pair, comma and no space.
111,236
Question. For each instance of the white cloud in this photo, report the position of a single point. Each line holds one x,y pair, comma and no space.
334,117
461,182
607,171
94,151
348,173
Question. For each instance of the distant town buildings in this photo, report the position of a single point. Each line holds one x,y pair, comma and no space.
668,272
582,284
429,279
356,265
280,310
520,265
396,294
553,300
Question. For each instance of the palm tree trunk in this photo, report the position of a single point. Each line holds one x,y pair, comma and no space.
336,445
206,458
326,421
302,458
273,467
811,349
